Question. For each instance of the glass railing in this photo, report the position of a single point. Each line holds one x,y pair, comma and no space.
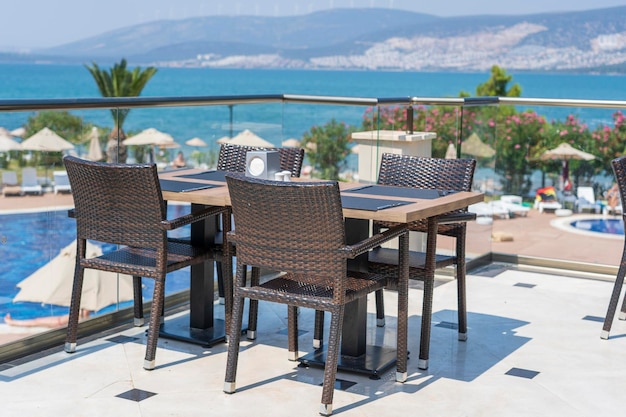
506,136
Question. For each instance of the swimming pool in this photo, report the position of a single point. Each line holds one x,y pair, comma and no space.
614,226
589,225
30,240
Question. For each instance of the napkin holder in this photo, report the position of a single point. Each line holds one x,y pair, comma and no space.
262,164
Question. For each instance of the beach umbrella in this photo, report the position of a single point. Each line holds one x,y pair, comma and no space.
19,132
46,140
150,136
95,151
52,283
564,152
475,147
451,151
249,138
223,139
196,142
291,143
8,144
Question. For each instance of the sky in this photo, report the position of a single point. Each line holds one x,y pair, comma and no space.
31,24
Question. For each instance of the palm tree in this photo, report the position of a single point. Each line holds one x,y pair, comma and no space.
119,81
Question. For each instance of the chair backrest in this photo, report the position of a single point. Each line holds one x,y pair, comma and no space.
61,178
619,169
232,158
29,177
586,193
288,226
424,172
117,203
9,178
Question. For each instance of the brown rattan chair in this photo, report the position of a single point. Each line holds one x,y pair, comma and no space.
298,228
428,173
122,205
232,158
619,169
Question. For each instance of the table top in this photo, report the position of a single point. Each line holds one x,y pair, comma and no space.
419,208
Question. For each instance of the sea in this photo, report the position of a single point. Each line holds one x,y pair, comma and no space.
274,122
278,122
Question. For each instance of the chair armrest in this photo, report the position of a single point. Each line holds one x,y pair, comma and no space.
356,249
193,217
457,217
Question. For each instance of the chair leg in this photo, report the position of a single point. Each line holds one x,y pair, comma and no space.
72,324
253,312
154,324
138,320
234,337
380,309
403,309
332,358
292,325
617,289
318,331
461,284
429,286
220,281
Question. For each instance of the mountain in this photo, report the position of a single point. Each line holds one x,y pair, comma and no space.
366,39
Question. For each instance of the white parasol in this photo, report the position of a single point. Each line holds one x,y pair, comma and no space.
150,136
95,151
8,144
46,140
52,283
565,152
196,142
451,151
291,143
249,138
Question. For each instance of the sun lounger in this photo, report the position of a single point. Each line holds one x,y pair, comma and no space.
586,200
10,186
29,182
489,210
61,182
514,209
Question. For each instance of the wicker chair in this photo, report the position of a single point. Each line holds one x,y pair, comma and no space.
232,158
422,172
298,228
619,169
122,205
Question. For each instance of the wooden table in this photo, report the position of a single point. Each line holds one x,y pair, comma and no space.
356,355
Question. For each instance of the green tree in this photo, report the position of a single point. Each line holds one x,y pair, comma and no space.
498,85
119,81
327,148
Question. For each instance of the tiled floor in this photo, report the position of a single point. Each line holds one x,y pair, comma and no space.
533,349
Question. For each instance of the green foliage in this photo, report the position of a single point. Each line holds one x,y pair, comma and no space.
497,85
327,148
65,124
119,81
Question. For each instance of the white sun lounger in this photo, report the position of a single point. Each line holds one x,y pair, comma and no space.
488,210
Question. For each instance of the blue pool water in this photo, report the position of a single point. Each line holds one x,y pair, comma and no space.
30,240
610,226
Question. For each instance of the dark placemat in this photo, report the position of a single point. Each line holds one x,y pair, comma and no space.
407,192
207,175
370,204
183,186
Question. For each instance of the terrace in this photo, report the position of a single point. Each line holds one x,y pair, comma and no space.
535,310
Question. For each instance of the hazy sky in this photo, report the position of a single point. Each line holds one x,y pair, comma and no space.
45,23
